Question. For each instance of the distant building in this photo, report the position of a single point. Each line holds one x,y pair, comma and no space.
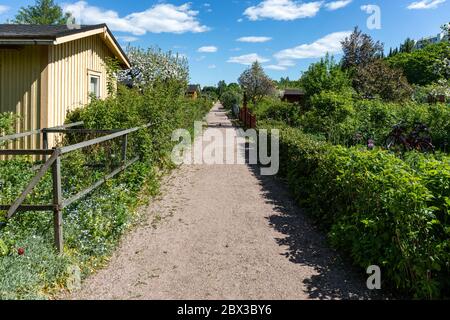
440,37
293,95
193,91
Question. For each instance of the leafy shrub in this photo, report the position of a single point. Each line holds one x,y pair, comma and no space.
230,98
331,115
325,75
433,92
423,66
7,121
376,207
93,225
275,109
378,80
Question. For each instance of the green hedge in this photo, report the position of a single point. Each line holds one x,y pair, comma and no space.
377,208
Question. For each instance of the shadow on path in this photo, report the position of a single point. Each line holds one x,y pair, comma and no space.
306,245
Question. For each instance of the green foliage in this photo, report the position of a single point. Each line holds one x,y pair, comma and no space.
43,12
93,225
360,50
378,79
273,109
407,46
7,121
377,208
211,93
112,70
325,75
286,83
329,114
255,83
424,66
231,98
221,87
433,92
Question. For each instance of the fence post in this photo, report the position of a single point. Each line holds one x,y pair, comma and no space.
57,201
44,143
124,148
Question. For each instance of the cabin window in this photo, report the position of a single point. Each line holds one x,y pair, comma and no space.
94,85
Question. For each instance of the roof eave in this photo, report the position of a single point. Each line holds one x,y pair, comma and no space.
22,42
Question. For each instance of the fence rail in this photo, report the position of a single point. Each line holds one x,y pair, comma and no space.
53,163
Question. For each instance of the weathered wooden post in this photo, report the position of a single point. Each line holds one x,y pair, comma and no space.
44,142
57,202
124,148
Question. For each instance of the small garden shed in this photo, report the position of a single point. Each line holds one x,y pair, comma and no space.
193,91
47,71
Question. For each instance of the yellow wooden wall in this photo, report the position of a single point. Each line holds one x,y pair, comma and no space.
42,84
68,82
20,88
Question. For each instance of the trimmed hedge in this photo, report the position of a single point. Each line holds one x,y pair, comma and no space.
377,208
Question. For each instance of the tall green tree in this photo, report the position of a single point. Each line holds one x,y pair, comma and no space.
378,80
256,83
360,49
44,12
325,75
221,87
407,46
424,66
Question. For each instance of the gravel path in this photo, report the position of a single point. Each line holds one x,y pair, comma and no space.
223,232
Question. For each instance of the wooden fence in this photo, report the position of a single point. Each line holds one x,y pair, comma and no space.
52,161
247,118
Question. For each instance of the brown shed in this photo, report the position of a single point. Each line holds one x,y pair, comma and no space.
47,71
293,95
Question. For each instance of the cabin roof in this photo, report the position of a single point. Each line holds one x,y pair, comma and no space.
30,34
49,32
293,92
193,88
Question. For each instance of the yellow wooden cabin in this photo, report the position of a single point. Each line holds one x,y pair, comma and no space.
193,91
47,71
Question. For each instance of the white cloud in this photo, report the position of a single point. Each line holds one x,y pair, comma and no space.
283,10
329,44
247,59
207,49
212,66
162,17
335,5
286,63
3,9
254,39
275,67
425,4
127,38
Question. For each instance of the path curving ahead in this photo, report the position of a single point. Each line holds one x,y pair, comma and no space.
223,232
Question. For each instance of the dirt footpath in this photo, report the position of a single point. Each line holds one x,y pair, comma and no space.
224,232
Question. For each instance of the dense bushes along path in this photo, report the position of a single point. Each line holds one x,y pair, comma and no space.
223,232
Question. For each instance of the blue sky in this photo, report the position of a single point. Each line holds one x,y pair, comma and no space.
285,35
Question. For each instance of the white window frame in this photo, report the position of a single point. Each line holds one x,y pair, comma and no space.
98,75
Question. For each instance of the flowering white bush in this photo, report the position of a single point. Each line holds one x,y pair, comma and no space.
151,65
